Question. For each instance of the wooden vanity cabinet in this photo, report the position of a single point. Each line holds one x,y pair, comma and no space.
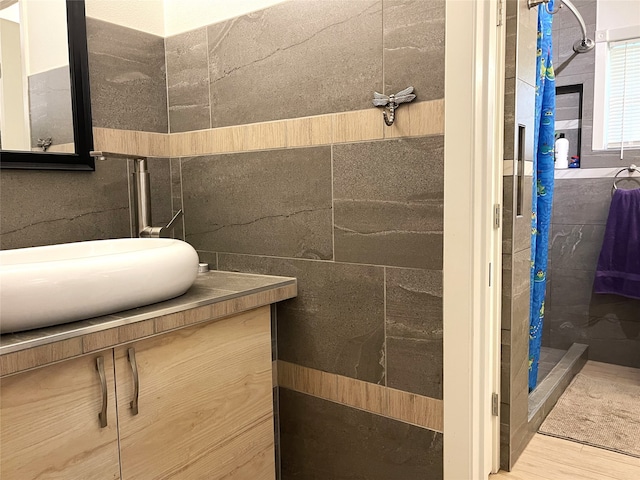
205,409
49,426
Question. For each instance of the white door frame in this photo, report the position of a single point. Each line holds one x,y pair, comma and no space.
474,115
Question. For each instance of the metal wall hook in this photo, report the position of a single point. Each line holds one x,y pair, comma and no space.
534,3
392,115
393,101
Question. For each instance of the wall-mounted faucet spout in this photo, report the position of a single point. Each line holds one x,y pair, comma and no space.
142,185
142,189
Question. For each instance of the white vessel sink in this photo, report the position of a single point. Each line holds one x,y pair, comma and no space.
43,286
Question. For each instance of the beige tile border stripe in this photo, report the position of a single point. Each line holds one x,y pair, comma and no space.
507,169
415,119
406,407
131,142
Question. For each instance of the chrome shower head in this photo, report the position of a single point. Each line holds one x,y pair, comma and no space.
583,46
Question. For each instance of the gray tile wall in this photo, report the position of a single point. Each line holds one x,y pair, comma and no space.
359,225
521,34
160,180
246,208
273,64
414,47
269,64
44,207
127,77
382,215
188,81
288,215
609,324
50,106
336,323
414,330
363,317
323,440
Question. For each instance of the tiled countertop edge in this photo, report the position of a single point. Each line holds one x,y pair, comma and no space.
162,314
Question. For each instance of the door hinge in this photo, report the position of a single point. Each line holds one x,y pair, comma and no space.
497,215
495,405
499,7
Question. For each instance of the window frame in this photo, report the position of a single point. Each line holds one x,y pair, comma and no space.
605,39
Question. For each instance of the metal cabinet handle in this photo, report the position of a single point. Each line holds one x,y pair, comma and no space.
102,415
131,353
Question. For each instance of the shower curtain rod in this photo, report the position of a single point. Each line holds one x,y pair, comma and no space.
581,46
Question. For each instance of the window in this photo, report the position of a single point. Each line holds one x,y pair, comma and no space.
622,127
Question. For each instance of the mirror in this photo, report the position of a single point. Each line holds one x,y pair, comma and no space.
45,117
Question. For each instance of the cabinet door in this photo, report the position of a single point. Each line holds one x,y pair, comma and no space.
49,424
205,408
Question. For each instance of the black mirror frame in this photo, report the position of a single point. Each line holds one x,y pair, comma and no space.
80,107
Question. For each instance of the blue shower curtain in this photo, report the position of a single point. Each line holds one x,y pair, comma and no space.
543,166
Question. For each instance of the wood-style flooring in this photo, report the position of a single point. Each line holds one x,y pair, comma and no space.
549,458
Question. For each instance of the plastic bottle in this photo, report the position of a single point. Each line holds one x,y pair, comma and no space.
575,162
562,152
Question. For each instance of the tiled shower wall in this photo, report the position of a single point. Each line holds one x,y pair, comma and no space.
520,69
609,324
359,223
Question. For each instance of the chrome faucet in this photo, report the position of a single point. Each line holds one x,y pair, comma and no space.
142,188
143,204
